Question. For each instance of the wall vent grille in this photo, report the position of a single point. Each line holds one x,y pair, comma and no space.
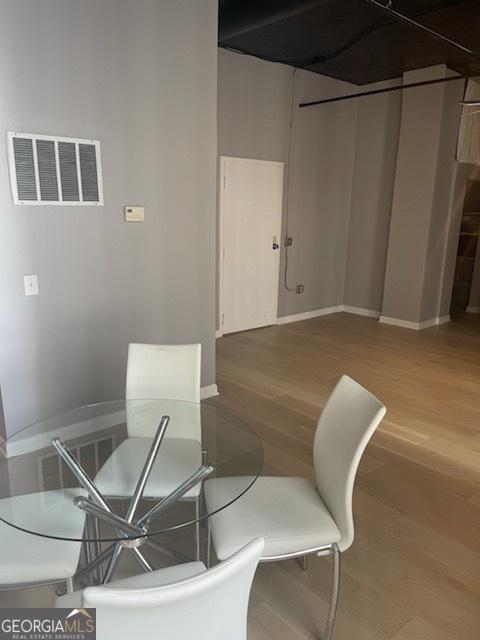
50,170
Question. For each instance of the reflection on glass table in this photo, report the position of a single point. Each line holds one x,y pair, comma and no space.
136,469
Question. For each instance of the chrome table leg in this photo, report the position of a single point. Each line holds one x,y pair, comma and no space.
132,533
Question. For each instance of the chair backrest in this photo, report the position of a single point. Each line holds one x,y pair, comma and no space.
163,371
212,605
170,371
344,429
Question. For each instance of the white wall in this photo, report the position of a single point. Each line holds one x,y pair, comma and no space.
141,77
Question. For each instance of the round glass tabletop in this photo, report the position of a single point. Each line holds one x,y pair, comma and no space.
124,470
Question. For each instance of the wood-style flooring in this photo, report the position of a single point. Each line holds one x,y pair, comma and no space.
413,572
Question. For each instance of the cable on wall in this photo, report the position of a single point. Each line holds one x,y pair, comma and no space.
288,167
390,11
287,178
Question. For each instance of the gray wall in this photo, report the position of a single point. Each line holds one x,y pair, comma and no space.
373,191
323,152
253,107
472,191
341,178
444,214
141,77
254,102
462,171
472,203
422,197
378,128
474,301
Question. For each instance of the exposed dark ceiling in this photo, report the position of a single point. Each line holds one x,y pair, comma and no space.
349,39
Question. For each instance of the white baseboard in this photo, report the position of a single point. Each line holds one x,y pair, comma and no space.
417,326
209,391
443,320
397,322
369,313
470,309
218,334
309,314
359,311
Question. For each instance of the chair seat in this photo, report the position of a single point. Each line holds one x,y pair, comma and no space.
177,459
159,578
27,558
287,512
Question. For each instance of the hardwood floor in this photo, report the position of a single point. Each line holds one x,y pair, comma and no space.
413,572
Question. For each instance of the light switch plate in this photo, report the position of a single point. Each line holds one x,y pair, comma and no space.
134,214
30,284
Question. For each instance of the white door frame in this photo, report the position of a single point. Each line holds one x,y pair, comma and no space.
221,217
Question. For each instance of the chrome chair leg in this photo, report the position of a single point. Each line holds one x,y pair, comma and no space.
87,545
332,611
97,548
209,546
141,559
70,587
197,528
303,563
107,575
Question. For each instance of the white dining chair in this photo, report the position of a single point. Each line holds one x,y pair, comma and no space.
164,371
183,602
296,519
28,560
167,373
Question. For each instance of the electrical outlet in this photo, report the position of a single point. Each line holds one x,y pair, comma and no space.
299,288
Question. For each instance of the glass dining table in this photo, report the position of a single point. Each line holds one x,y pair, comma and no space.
119,475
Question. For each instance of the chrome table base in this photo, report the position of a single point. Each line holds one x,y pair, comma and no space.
132,533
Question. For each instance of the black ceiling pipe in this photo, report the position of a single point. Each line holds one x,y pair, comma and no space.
398,87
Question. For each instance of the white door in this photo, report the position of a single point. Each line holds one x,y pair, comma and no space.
251,226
